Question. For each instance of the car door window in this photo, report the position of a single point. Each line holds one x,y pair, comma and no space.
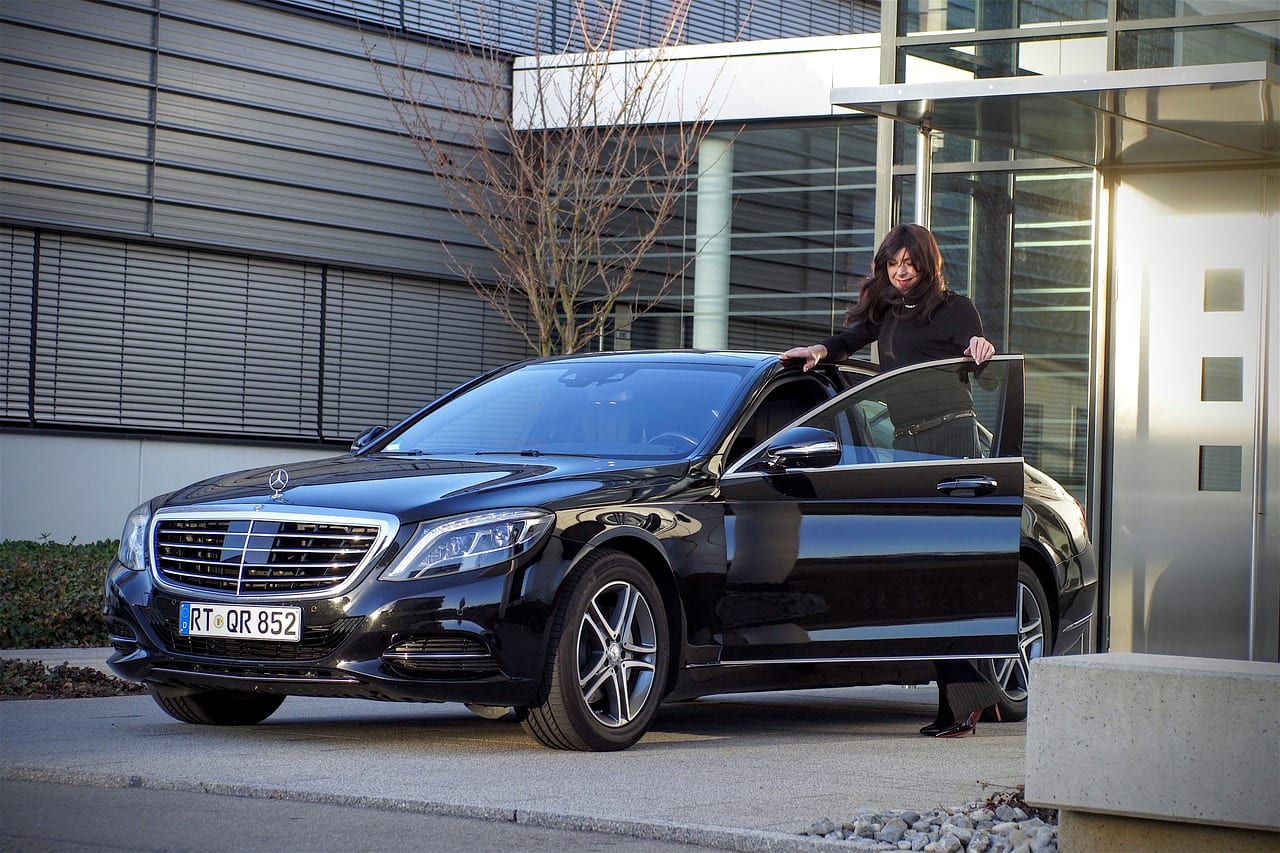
949,409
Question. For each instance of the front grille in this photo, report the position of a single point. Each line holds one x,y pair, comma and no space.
255,556
318,641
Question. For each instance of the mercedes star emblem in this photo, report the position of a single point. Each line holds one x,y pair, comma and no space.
277,481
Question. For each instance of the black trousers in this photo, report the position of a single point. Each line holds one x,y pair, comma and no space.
963,688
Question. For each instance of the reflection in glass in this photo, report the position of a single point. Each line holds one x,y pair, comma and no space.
928,63
1020,246
803,225
927,16
1198,45
1128,10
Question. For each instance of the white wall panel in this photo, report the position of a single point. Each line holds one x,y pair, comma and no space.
42,478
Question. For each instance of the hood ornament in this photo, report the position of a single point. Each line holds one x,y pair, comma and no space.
276,481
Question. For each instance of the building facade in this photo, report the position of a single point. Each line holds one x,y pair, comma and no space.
220,251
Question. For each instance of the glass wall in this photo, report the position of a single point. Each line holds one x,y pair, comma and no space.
927,16
802,235
1203,45
1019,244
1016,230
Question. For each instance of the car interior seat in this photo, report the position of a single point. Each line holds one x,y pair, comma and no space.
783,405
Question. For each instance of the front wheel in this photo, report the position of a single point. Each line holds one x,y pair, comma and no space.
608,658
1035,639
216,707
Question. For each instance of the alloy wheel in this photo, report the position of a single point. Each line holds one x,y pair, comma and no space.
617,653
1013,676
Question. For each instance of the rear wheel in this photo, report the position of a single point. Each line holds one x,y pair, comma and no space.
1035,639
216,707
607,661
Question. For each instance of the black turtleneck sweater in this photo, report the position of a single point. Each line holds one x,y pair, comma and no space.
904,343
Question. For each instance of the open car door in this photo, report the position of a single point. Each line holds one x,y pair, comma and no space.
846,544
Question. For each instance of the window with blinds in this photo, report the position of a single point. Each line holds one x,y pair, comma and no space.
141,336
18,249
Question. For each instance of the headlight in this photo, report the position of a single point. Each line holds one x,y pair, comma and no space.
133,540
470,542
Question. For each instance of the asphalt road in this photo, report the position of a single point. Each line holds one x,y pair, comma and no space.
42,817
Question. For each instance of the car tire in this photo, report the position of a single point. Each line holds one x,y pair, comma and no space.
1035,639
607,658
217,707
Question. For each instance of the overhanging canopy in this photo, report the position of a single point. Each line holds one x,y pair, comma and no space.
1192,115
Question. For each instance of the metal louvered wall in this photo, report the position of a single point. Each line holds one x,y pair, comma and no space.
212,225
220,124
143,336
534,27
211,222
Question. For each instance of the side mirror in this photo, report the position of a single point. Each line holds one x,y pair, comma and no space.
366,438
803,447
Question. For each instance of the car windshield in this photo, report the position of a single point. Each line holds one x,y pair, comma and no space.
607,407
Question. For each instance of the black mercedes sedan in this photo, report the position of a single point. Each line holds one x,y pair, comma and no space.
578,539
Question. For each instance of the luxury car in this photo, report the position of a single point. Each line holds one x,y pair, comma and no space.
575,540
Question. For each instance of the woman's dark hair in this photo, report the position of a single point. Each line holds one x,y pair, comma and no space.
878,296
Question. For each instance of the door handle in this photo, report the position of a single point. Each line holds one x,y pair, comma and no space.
977,485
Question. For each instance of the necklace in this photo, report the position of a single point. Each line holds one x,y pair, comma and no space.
908,305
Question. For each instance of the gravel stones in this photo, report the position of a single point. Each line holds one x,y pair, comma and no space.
976,828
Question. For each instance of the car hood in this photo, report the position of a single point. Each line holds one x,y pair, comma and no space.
421,487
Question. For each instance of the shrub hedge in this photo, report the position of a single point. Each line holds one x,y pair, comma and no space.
51,594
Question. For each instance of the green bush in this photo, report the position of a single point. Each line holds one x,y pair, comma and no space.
51,594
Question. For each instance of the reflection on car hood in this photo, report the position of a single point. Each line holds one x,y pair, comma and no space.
419,487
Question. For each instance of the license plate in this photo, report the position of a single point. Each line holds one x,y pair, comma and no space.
240,621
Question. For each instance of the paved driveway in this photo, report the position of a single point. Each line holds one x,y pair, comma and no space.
738,765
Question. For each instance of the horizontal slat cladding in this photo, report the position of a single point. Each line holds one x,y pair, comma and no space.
75,82
84,171
337,243
54,128
17,259
73,208
270,132
81,53
66,90
120,21
549,27
305,153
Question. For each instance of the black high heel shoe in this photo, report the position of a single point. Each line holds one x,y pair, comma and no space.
936,727
967,726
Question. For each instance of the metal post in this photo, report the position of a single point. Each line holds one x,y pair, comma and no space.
924,169
714,229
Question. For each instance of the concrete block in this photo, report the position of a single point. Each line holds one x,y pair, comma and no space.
1159,737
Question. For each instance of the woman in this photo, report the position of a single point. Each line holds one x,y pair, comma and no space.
905,306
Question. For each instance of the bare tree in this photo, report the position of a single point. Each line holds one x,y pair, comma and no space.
565,181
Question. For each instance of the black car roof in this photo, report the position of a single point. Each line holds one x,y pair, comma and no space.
743,357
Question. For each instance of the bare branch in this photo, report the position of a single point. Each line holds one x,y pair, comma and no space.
570,216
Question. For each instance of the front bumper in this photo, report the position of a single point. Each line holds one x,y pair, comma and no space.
464,638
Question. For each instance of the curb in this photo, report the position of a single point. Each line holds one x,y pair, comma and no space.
722,838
